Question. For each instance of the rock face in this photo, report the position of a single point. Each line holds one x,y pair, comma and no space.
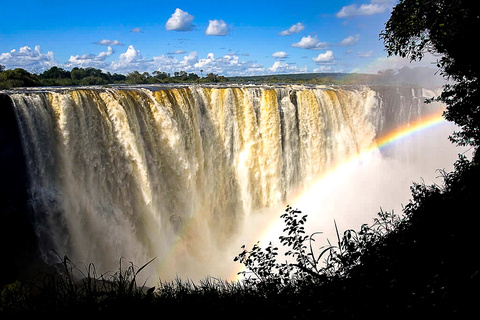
17,239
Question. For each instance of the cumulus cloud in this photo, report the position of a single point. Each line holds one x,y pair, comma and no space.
283,67
296,28
326,57
310,42
26,58
216,28
374,7
280,55
207,62
90,60
131,60
229,64
350,40
180,21
106,42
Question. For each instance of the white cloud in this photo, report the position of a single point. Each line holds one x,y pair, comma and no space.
326,57
310,42
323,68
208,62
367,54
106,42
180,21
90,60
280,55
228,65
130,55
296,28
375,7
136,30
396,63
282,67
131,60
278,65
350,40
216,28
26,58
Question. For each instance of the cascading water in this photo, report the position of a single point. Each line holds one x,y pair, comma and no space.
172,173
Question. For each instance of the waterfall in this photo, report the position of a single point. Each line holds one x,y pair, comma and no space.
170,173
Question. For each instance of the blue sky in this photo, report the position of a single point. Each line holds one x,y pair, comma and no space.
223,37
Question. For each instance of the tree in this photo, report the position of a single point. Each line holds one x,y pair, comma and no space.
211,77
92,80
55,73
180,76
160,75
136,77
78,73
444,28
17,78
116,77
192,77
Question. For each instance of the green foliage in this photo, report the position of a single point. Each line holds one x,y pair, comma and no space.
55,73
211,77
262,267
91,76
17,78
137,77
307,263
444,28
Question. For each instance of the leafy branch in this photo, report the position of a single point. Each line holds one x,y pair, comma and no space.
303,260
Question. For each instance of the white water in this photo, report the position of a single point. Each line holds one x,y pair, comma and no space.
180,174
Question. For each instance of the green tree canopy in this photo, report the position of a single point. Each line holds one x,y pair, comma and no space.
55,73
17,78
445,28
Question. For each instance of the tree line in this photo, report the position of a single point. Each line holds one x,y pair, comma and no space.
56,76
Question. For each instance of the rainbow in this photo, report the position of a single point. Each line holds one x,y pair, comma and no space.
410,129
275,225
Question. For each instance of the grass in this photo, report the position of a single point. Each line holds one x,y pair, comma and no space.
423,262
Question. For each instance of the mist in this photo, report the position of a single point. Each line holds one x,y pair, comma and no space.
355,192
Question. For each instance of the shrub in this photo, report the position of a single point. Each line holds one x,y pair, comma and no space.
308,263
